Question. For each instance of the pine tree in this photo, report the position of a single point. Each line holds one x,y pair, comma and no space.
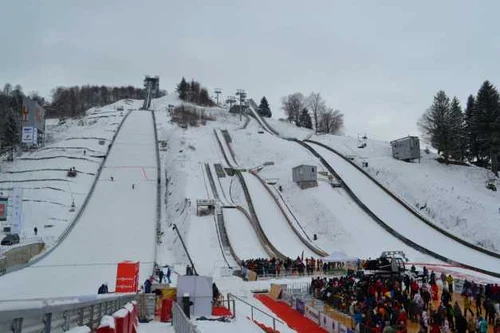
264,109
458,136
436,125
10,133
473,153
204,98
305,119
486,123
182,89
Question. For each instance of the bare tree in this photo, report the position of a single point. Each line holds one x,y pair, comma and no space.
292,105
317,106
331,121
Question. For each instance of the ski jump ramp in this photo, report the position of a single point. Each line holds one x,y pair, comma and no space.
119,223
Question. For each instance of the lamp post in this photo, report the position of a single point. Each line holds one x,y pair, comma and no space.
218,91
230,100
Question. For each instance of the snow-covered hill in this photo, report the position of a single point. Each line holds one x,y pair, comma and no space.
48,193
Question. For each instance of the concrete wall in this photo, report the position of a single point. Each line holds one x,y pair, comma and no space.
19,255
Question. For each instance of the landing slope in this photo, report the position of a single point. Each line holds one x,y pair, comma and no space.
398,218
118,224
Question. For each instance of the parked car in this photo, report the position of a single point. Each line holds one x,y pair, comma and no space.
10,239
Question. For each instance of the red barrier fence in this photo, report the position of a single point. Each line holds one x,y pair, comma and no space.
124,320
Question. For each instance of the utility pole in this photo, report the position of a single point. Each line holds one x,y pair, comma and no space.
242,94
218,91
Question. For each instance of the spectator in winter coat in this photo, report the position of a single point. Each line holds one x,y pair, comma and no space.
467,306
103,289
147,285
161,275
424,323
450,279
169,272
483,325
461,324
456,309
446,297
443,279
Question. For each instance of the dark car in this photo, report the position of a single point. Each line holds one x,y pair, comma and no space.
10,239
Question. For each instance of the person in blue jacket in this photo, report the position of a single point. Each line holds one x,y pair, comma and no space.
147,286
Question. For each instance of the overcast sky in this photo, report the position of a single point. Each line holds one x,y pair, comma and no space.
379,62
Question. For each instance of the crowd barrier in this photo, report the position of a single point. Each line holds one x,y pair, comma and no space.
181,323
124,320
315,310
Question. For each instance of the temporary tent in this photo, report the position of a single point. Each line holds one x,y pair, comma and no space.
339,256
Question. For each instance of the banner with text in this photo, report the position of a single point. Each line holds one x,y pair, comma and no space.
328,323
312,314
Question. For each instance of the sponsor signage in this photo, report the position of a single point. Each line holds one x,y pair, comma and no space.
27,136
35,136
312,314
16,219
328,323
3,208
300,306
127,277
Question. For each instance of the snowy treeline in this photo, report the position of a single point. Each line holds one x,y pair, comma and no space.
470,135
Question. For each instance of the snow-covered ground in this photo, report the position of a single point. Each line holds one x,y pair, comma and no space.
118,224
455,197
42,174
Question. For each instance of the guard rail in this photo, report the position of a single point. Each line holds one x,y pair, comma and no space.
59,314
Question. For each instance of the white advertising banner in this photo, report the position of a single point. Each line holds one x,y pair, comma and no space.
35,136
27,136
312,314
16,218
328,323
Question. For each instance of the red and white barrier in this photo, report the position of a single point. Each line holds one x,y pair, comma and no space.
124,320
107,325
121,320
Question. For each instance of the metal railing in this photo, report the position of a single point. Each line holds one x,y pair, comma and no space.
181,323
59,314
158,185
231,297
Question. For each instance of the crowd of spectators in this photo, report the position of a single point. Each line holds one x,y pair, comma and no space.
274,266
380,304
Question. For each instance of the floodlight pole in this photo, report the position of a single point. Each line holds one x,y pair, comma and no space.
218,91
241,93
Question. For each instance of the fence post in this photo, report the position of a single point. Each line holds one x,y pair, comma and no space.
65,325
274,325
17,325
47,321
91,317
80,317
252,311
